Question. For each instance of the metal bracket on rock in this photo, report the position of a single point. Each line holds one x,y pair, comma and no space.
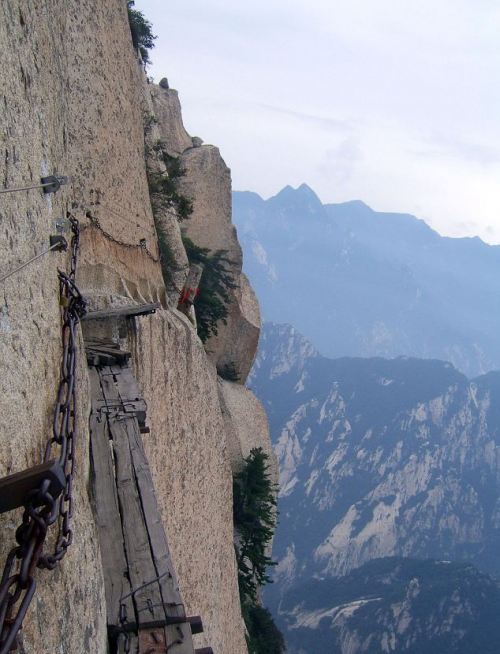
53,183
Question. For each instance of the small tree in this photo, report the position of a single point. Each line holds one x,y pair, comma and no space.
213,293
264,637
164,184
254,520
141,30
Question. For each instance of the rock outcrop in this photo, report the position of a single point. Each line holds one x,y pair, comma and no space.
208,184
76,102
168,118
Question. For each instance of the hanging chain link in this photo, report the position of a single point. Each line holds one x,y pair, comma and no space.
94,221
41,510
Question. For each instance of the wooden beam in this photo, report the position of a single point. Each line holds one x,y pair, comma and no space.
127,644
119,355
129,392
131,311
147,596
190,288
179,628
94,340
116,584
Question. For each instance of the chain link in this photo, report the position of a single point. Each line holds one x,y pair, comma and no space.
41,510
94,221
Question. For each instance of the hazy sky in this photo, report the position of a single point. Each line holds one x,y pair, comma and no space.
395,103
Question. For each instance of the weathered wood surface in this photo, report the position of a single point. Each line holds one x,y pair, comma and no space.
131,531
127,644
190,289
129,392
107,342
101,351
119,355
152,641
148,600
116,583
126,312
158,538
180,629
110,390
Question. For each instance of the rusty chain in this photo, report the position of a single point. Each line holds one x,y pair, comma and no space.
94,221
41,510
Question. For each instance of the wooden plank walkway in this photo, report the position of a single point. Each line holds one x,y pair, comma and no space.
116,582
145,612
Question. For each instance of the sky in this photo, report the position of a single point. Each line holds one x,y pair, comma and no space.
394,103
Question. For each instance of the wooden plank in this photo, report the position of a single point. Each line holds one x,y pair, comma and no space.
147,600
120,355
115,567
109,388
171,597
179,639
152,516
152,641
112,380
127,644
129,392
126,312
93,340
95,358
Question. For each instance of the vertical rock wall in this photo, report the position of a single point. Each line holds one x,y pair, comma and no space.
75,101
208,183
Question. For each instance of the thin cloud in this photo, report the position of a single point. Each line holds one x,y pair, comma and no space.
441,146
322,121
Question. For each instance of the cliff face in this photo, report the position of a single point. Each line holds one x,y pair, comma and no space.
75,101
378,458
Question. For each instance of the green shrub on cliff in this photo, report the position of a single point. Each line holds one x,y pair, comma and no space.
164,185
213,292
254,512
141,30
264,637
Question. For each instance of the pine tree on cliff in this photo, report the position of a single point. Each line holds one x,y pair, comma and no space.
254,520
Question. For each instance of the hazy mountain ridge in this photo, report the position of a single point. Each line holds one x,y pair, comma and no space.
395,605
362,283
378,458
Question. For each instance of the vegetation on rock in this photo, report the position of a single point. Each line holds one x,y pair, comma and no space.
163,173
254,512
264,637
213,294
254,519
141,30
164,183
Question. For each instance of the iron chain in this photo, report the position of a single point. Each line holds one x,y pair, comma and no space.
94,221
41,510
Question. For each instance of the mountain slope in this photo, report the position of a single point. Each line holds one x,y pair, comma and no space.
378,458
395,605
361,283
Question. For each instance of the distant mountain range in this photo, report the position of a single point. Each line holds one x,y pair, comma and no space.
378,458
395,605
362,283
